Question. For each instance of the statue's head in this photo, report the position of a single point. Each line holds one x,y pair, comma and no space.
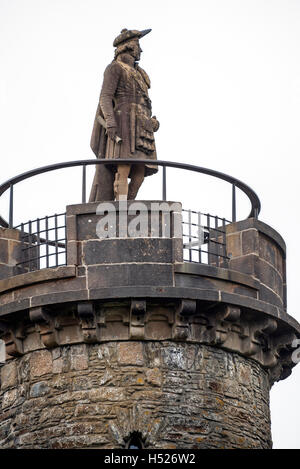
128,42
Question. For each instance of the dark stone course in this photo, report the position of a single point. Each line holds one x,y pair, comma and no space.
111,251
129,274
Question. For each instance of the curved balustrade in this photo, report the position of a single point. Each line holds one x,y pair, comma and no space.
235,183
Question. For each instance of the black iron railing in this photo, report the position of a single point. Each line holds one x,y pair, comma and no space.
235,183
204,238
43,243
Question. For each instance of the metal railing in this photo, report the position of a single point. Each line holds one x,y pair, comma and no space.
204,238
235,183
43,243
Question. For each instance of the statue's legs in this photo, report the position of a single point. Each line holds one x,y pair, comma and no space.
121,181
121,189
137,177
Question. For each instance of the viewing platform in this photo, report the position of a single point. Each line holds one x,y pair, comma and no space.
148,272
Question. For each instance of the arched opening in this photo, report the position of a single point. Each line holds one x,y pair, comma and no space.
135,441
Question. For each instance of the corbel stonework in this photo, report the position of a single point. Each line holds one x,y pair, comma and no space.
282,346
105,315
257,343
187,307
230,328
87,320
14,341
47,325
181,327
217,326
137,319
260,337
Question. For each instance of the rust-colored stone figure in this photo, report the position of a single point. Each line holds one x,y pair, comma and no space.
124,124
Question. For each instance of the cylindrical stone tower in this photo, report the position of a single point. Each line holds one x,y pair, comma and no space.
128,342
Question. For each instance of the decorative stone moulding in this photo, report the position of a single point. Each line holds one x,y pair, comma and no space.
231,328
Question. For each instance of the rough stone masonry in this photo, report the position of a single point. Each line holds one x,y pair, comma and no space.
94,396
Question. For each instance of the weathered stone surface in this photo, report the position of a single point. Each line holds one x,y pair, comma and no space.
37,277
257,250
234,245
130,353
111,251
39,389
9,375
40,363
129,274
3,251
174,395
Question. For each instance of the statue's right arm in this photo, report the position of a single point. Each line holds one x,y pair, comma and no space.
110,83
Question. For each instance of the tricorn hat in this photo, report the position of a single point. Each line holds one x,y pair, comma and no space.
128,34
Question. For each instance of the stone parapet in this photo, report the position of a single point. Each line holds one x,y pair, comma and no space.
257,250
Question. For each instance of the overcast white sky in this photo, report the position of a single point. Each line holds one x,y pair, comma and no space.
225,87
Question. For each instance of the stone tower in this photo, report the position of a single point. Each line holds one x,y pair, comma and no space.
125,339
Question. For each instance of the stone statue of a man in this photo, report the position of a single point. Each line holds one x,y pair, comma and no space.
124,124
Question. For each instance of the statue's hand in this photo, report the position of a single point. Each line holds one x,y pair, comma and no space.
155,124
112,132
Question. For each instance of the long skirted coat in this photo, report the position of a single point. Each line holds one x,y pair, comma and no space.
124,103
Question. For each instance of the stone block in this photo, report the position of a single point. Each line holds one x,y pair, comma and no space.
154,376
267,249
268,295
129,274
250,241
245,264
269,276
6,271
40,363
3,251
79,362
9,375
9,398
71,228
58,286
39,389
111,251
14,252
9,233
73,256
58,365
233,244
130,353
38,276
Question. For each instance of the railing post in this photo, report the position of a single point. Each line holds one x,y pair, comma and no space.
11,206
233,203
84,184
164,184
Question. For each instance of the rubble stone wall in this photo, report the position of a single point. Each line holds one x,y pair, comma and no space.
174,395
